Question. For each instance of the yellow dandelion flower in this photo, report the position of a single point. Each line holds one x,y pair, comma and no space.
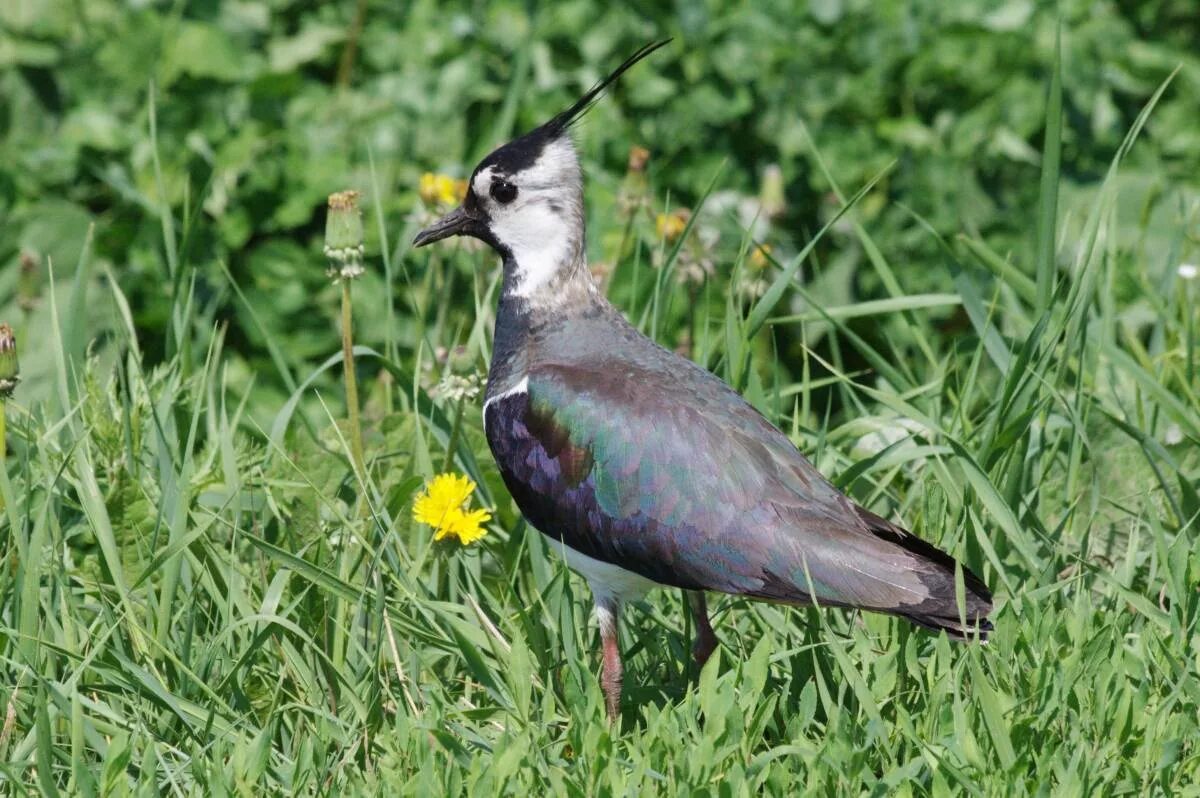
468,526
441,505
670,226
758,258
441,190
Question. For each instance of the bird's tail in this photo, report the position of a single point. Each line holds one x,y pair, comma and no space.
941,611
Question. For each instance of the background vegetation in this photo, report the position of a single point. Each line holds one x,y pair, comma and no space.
977,314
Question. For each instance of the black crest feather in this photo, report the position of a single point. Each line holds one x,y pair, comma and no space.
522,152
568,117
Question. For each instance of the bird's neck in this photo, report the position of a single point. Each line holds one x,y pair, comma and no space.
525,318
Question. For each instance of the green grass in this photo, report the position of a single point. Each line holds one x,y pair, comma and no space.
192,603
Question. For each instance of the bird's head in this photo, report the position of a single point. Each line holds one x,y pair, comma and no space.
525,199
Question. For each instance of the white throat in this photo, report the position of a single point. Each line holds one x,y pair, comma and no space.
543,228
544,247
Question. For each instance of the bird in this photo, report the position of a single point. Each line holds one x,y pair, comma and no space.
644,469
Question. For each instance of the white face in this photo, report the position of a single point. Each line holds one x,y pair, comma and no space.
543,225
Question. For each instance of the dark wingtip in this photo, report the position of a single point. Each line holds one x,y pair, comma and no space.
568,117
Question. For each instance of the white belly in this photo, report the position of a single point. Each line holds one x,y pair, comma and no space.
608,582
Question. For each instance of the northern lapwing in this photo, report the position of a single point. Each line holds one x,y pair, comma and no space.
643,468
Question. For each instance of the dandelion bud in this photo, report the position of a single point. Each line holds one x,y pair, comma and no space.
771,193
460,360
27,282
634,192
10,369
344,236
638,156
602,271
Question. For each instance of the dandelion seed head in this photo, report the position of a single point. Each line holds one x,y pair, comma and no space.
457,387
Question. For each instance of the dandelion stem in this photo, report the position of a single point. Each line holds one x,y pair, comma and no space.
3,445
10,374
344,248
356,442
452,441
693,296
346,63
626,237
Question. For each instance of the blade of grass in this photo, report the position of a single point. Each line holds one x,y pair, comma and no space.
766,304
1047,225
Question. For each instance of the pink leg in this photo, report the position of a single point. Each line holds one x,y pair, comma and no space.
610,658
706,640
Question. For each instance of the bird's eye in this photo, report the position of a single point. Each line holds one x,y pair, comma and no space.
503,191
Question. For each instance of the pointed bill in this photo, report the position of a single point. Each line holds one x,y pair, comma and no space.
457,222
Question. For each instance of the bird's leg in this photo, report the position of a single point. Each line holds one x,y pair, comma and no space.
706,640
607,612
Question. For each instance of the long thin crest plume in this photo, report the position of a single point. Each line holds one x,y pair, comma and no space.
568,117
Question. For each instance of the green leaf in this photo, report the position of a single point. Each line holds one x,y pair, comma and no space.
202,50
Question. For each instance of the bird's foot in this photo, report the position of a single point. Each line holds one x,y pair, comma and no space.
611,670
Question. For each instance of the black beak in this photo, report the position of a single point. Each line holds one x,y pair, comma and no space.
456,223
